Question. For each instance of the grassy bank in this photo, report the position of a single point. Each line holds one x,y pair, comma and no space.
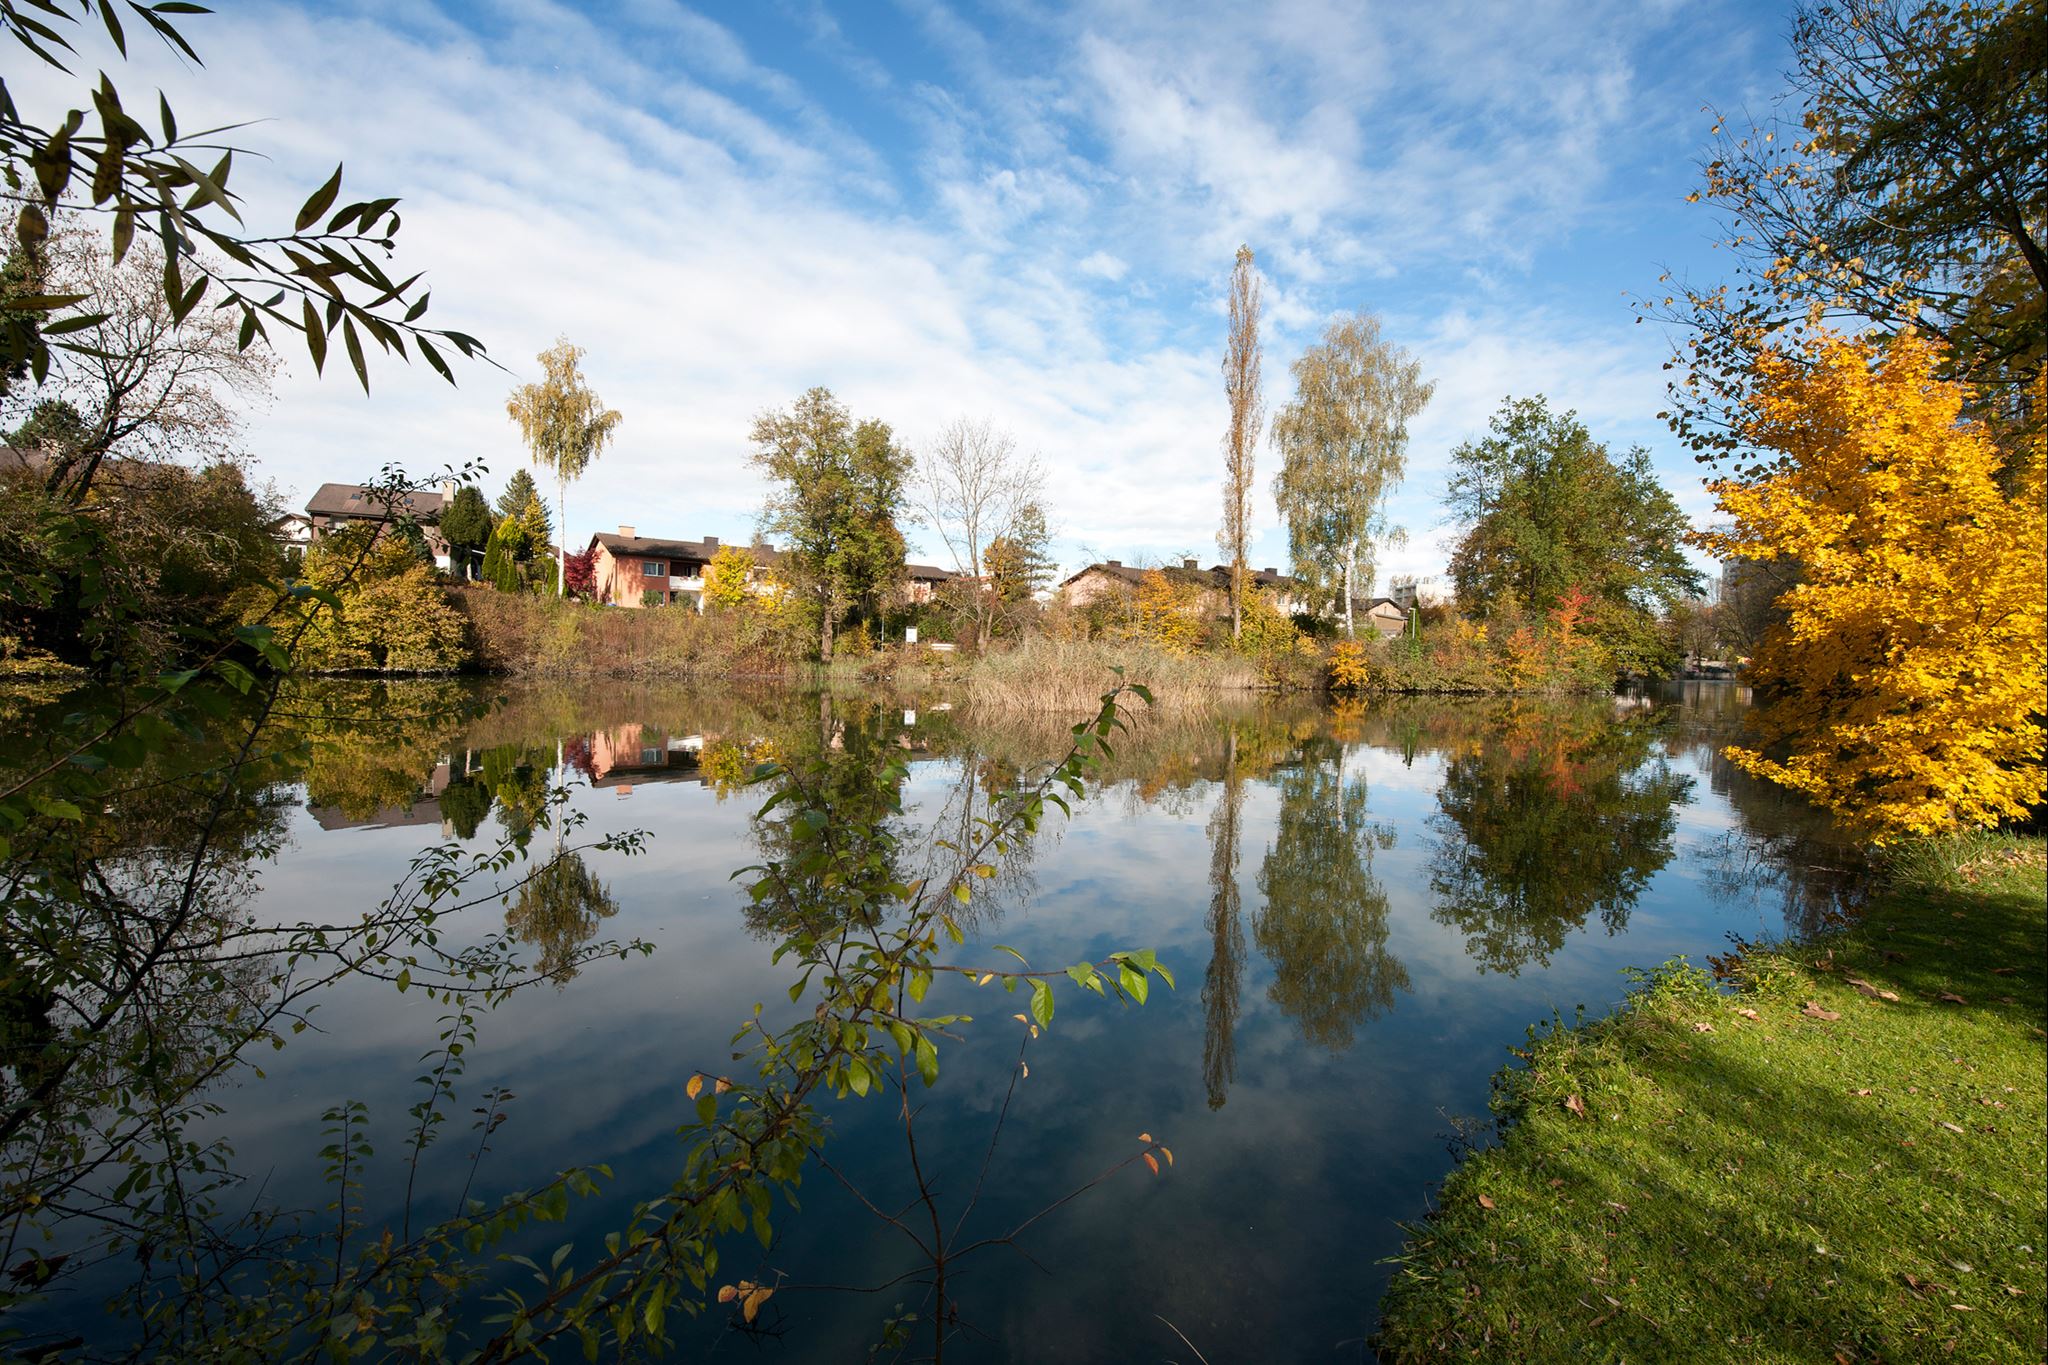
518,633
1842,1160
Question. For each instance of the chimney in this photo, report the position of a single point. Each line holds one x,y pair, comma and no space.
1113,564
1187,563
447,491
626,531
711,544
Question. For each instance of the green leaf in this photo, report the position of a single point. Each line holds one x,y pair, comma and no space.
355,352
1133,981
1041,1003
322,199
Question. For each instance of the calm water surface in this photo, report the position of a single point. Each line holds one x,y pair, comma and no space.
1363,907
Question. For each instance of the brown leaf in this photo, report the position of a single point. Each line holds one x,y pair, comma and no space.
1556,1183
1703,1028
1612,1205
1576,1105
1027,1069
1485,1203
1863,987
1860,1092
720,1086
1153,1162
1944,1123
1749,1014
2003,971
1950,997
1812,1010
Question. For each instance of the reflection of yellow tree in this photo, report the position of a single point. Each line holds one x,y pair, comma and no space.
1553,817
558,910
1324,923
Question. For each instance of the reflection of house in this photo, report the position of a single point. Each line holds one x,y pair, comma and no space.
426,810
633,753
336,505
627,567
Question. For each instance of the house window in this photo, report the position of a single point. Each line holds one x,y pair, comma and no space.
653,568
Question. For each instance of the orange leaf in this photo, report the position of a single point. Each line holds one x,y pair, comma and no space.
1144,1137
727,1293
1153,1162
1485,1203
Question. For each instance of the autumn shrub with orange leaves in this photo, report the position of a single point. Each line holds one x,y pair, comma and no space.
1903,688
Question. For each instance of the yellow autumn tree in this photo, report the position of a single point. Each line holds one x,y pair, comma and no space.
1169,612
727,577
1903,687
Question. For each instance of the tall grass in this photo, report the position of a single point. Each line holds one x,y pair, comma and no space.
516,633
1070,676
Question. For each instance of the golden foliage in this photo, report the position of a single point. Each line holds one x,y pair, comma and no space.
1170,612
1350,667
1902,688
727,577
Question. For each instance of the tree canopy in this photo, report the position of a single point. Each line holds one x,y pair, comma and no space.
565,424
1902,688
1343,442
1547,511
837,490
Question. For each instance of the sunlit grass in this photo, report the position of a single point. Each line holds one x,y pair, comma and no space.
1788,1187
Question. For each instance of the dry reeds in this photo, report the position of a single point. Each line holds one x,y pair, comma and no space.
1071,676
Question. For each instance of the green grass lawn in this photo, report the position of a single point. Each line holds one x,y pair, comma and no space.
1803,1170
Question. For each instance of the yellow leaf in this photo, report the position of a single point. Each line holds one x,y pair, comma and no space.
1167,1152
695,1087
1144,1137
752,1303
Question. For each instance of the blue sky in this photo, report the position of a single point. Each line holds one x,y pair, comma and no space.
1019,211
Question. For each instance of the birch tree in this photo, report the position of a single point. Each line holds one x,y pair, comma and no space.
565,425
1343,441
1247,416
974,488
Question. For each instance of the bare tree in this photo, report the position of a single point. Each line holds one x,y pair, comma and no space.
141,384
974,488
1247,416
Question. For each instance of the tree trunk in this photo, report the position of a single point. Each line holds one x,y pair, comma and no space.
561,537
1349,556
825,630
1237,597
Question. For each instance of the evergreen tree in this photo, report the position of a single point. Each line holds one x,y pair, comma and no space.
466,524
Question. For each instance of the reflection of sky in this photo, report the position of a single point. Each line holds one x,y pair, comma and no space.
1263,1241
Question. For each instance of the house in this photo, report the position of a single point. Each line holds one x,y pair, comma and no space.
1384,614
923,582
335,505
631,570
1116,577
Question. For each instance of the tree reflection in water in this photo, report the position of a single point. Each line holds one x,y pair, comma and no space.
1324,922
1548,817
559,909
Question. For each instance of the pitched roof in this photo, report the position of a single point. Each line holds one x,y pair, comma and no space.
699,550
929,572
1216,575
355,500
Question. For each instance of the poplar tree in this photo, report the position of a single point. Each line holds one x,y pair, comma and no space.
1247,416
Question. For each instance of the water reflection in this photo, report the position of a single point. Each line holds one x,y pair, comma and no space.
1330,877
1323,925
1548,817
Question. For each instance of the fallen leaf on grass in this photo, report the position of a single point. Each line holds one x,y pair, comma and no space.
2003,971
1749,1014
1865,988
1812,1010
1944,1123
1950,997
1860,1092
1556,1183
1702,1028
1486,1203
1962,1308
1623,1208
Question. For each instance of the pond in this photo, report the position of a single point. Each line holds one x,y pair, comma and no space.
1362,906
